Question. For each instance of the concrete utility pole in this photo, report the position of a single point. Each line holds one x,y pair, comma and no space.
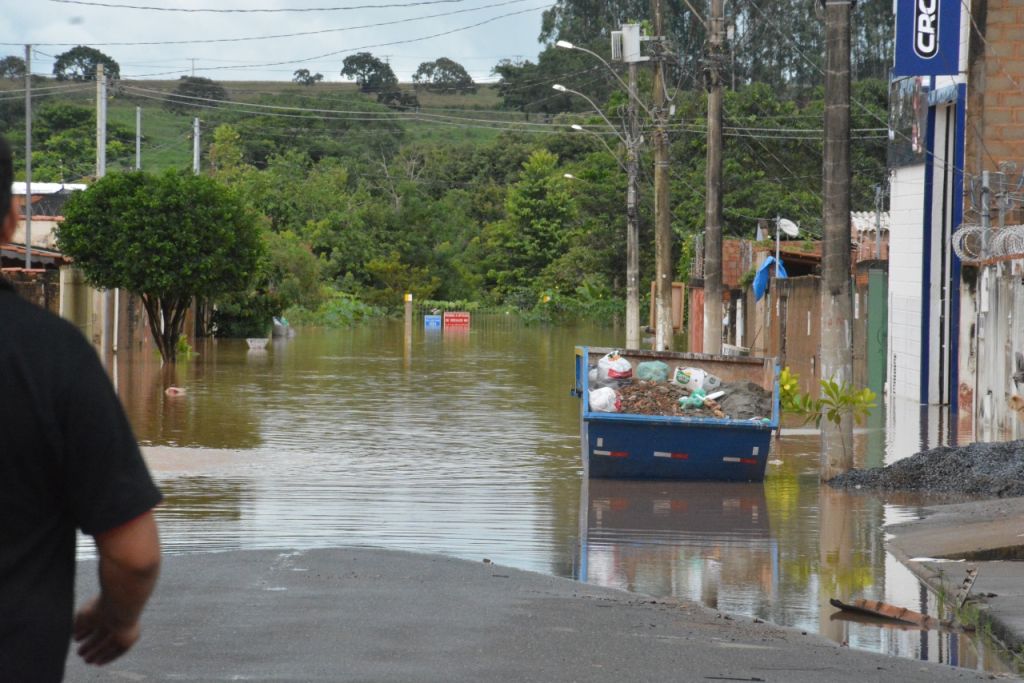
713,186
632,219
28,157
101,122
662,219
195,145
108,332
836,299
138,138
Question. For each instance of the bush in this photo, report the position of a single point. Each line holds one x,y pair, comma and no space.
339,309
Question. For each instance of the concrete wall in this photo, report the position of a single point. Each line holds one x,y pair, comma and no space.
42,232
906,215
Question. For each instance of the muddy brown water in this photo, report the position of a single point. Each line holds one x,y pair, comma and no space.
466,443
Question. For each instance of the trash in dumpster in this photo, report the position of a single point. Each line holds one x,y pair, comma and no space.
614,366
652,371
604,400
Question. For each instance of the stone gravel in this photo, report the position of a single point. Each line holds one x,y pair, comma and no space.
986,470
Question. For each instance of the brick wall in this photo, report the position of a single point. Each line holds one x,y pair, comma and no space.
41,287
995,114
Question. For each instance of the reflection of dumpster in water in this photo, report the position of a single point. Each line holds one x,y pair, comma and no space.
709,542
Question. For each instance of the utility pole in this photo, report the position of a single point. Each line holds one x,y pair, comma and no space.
28,157
107,333
836,299
195,145
101,122
662,220
138,138
713,186
632,220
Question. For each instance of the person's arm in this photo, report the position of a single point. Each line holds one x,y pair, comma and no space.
129,562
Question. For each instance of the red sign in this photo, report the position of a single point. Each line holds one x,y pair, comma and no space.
456,319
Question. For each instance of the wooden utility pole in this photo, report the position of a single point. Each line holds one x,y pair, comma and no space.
836,300
713,185
632,219
662,219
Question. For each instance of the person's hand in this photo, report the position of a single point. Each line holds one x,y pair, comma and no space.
101,639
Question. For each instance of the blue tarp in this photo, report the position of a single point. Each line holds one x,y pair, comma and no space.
761,278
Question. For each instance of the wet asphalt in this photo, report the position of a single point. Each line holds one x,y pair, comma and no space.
377,615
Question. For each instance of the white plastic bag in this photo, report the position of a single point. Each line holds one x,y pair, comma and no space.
689,378
614,366
605,400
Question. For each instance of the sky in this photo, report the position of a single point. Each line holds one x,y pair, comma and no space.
477,35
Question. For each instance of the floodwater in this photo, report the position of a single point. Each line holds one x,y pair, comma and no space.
466,443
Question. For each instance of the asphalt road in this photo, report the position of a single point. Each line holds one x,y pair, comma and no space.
374,615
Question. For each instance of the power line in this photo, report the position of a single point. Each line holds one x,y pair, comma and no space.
202,41
188,10
355,49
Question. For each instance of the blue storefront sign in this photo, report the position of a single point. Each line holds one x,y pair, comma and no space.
927,38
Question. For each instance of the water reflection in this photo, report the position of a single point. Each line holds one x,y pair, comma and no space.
778,551
710,543
467,444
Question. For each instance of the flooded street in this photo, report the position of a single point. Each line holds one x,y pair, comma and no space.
467,444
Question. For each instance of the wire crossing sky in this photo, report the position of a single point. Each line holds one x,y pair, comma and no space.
268,40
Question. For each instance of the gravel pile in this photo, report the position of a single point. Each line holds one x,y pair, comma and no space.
981,469
742,400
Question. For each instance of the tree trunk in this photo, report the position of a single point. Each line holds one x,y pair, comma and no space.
166,318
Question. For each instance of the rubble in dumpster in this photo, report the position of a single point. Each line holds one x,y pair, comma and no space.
740,400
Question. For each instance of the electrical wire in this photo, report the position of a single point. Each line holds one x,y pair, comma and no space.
356,49
252,10
206,41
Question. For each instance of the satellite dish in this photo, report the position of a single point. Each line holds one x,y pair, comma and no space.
789,227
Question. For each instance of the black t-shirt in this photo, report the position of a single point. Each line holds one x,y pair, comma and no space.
68,460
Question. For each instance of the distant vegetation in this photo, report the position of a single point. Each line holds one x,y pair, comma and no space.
455,190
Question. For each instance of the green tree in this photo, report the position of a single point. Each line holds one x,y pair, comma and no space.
167,238
539,212
12,67
63,142
79,64
195,92
444,75
304,77
225,152
370,74
526,86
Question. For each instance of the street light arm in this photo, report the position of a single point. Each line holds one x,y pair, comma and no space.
562,88
629,93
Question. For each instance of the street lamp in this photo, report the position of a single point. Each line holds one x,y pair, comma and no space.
632,142
570,46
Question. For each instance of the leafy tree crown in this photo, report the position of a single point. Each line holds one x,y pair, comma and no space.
79,64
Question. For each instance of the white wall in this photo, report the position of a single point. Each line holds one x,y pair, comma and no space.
905,256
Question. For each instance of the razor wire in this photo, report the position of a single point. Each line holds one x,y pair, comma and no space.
969,243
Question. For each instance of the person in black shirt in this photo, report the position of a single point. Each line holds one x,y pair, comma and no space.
68,461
